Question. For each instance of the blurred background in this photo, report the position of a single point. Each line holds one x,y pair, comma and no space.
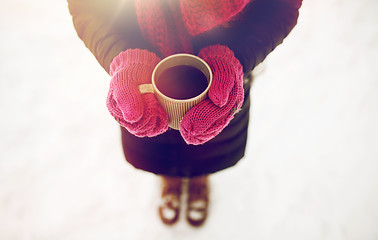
311,166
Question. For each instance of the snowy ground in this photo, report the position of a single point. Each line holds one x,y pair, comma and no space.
312,161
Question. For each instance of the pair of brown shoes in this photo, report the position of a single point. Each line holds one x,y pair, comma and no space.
197,201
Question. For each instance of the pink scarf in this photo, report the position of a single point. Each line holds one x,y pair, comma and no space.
170,24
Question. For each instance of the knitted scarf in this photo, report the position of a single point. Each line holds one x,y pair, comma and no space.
170,24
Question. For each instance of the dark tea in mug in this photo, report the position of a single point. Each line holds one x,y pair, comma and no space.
182,82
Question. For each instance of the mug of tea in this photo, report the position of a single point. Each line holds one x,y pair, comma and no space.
179,82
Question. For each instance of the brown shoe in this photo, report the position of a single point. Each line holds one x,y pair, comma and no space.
169,209
198,200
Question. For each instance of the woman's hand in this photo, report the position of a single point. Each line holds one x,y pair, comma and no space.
140,114
226,95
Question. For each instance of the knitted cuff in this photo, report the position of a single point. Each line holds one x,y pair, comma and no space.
133,56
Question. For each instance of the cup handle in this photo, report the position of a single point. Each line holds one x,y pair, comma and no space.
146,88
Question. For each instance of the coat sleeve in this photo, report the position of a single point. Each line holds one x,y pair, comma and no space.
262,26
106,27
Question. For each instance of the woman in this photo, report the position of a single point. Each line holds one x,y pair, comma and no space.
129,38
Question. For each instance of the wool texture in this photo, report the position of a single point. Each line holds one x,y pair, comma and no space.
202,15
141,114
162,25
226,69
226,95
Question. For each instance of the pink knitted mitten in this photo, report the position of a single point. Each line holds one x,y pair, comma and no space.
226,95
140,114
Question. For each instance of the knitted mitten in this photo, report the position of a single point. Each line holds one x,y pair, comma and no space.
140,114
226,95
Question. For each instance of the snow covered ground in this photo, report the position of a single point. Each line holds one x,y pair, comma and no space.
311,167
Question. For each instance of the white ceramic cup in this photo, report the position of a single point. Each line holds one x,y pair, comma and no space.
177,108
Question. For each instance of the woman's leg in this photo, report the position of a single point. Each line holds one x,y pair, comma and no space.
198,200
169,209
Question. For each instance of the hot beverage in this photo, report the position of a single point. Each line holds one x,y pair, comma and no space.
179,82
182,82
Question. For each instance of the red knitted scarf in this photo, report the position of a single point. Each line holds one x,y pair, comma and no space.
169,24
